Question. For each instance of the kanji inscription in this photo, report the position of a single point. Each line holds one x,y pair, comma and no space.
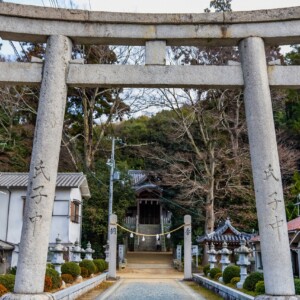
270,173
38,196
39,170
35,219
274,201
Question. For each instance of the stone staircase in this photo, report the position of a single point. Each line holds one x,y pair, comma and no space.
150,241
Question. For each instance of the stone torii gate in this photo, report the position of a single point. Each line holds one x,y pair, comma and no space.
251,31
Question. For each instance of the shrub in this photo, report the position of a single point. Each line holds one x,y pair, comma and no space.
12,271
89,265
230,272
213,272
101,264
48,284
260,287
70,268
297,286
8,281
206,269
67,278
50,266
54,275
217,276
235,280
3,290
84,272
251,281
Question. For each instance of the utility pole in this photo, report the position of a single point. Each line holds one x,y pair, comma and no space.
111,163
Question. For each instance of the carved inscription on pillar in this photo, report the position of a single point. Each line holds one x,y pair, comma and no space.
35,219
274,201
37,193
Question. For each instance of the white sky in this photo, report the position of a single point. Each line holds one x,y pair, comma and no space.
163,6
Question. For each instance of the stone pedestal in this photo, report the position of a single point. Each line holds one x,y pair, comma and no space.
43,172
112,265
187,247
278,275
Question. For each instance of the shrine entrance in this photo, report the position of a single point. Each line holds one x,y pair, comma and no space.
149,212
250,31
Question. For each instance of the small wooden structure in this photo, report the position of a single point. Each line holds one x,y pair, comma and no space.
224,233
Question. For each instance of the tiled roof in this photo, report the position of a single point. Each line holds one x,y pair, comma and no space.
6,246
294,224
255,239
63,180
220,235
137,176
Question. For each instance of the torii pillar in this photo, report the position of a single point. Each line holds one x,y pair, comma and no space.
278,275
34,243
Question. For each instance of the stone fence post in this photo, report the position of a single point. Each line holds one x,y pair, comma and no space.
187,247
112,265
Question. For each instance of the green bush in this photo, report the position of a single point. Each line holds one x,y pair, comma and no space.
84,272
235,280
101,264
70,268
89,265
260,287
297,286
252,280
206,269
217,276
230,272
12,271
50,266
67,278
54,275
8,281
213,272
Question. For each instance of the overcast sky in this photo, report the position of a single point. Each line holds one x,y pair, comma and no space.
163,6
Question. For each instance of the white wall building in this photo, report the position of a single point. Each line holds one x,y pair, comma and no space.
71,189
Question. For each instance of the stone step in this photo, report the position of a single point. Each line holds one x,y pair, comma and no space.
150,241
149,266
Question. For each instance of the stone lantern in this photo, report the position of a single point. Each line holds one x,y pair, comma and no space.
58,252
243,251
89,252
224,258
212,256
76,251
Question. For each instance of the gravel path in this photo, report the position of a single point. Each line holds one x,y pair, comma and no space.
150,289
